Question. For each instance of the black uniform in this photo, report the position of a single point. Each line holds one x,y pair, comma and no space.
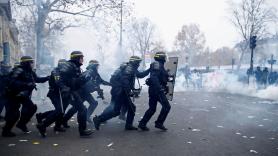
157,89
85,94
122,82
124,109
21,84
47,118
72,80
258,75
265,76
3,80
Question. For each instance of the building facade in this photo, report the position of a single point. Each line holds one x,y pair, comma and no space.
9,44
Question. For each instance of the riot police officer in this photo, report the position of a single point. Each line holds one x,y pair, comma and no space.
86,90
22,81
122,81
157,93
71,79
47,118
4,79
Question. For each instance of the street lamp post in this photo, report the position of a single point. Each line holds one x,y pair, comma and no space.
121,25
253,45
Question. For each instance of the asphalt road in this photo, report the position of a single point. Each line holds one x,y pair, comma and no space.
200,124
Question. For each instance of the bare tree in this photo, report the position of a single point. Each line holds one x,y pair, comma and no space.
143,38
190,41
51,15
251,18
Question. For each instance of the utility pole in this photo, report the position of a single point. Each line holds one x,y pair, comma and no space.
253,45
121,25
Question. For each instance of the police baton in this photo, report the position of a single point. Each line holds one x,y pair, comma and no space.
61,101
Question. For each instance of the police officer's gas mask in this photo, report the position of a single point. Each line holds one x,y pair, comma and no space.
160,57
27,62
93,65
77,57
136,65
135,61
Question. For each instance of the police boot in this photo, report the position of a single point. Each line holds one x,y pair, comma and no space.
66,125
6,133
96,122
89,120
143,127
42,130
23,128
160,126
122,117
130,128
2,118
85,133
59,129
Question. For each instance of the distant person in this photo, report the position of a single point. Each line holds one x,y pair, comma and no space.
265,77
272,78
258,76
195,79
276,79
200,79
187,75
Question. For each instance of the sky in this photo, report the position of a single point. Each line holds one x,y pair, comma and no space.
210,15
169,16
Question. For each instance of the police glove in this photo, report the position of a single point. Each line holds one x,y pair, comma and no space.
166,89
100,94
136,92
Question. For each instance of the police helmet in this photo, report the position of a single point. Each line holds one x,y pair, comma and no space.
76,55
160,56
93,64
135,60
16,64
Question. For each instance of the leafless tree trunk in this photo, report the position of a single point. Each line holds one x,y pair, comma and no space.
251,18
142,38
54,12
190,41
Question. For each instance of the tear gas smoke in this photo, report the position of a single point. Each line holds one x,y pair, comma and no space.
222,81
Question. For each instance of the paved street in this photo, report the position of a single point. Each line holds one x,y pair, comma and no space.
200,124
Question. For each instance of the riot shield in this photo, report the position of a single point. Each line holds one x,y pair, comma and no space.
171,67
